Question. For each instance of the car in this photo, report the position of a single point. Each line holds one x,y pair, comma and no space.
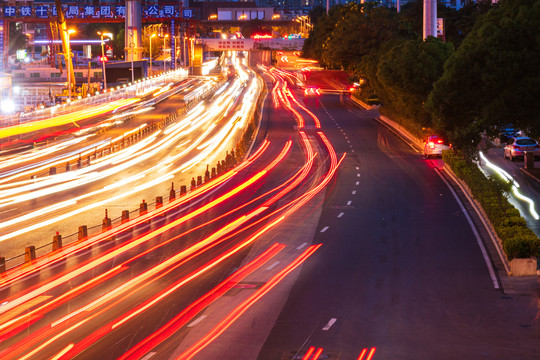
516,148
434,146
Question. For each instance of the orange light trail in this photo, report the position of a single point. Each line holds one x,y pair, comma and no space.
308,353
370,355
196,307
317,354
245,305
49,259
63,119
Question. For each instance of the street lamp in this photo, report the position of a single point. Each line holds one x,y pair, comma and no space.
164,51
132,46
69,67
153,35
110,36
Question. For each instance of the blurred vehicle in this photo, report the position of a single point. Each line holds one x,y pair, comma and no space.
434,146
508,132
516,148
312,91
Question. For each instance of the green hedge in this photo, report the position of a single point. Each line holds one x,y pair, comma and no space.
518,240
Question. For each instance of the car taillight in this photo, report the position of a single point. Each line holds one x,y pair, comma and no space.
515,147
431,144
439,141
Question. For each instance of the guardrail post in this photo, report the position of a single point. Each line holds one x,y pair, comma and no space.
213,175
52,171
68,167
83,232
79,162
106,223
143,208
233,158
159,201
193,184
88,160
218,168
172,193
2,264
183,190
29,253
57,241
125,216
206,174
224,165
199,180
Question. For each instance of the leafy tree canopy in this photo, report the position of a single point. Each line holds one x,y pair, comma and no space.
493,78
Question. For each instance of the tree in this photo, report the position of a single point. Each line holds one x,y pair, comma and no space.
493,78
407,72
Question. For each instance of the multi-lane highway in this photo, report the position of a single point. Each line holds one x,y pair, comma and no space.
333,239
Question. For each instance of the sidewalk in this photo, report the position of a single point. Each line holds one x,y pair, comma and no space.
510,284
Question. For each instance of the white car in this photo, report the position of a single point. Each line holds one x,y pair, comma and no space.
434,146
517,147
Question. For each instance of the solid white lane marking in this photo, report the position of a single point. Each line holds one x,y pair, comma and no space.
302,246
324,228
197,320
329,324
475,232
149,355
349,202
358,183
341,214
273,265
354,192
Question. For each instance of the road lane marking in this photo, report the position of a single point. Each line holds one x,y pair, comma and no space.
273,265
149,355
197,320
358,183
349,203
357,168
340,214
324,228
357,175
354,192
329,324
302,246
475,232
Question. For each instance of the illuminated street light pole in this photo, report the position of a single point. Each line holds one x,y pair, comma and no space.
109,35
164,52
151,52
69,32
132,46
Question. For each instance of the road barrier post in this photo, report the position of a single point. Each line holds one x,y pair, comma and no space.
218,168
125,216
172,193
57,241
206,174
68,167
183,190
2,264
193,184
213,175
143,208
52,171
79,162
29,253
199,180
83,232
106,223
159,201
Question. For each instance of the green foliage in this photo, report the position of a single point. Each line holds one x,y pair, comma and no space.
493,77
518,240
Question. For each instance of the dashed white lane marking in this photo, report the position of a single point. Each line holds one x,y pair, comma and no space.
329,324
357,168
349,203
354,192
149,355
273,265
358,183
324,228
358,175
197,320
352,150
302,246
341,214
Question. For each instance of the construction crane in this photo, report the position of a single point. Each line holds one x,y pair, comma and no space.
63,33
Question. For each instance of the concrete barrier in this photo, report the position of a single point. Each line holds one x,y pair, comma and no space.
524,267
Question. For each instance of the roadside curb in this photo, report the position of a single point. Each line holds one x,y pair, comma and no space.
530,175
